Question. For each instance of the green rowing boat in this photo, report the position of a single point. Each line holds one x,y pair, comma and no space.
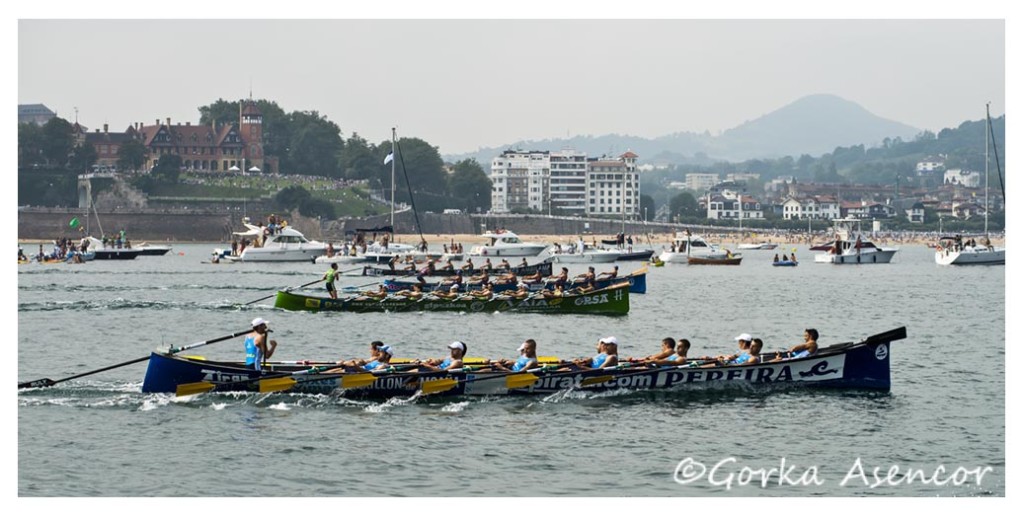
613,300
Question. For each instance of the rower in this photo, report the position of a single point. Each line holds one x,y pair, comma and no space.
550,294
485,291
504,264
468,266
457,350
587,278
415,293
522,292
561,279
678,357
383,360
256,348
448,266
487,265
523,263
452,293
806,348
607,355
358,362
668,346
378,294
614,273
527,359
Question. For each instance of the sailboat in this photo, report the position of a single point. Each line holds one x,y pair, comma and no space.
952,250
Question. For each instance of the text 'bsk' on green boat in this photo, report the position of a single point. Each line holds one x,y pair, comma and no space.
613,300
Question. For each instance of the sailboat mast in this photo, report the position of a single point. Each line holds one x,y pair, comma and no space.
986,170
393,137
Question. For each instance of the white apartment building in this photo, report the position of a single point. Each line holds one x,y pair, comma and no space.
520,180
810,208
930,164
568,182
956,176
701,182
728,206
613,187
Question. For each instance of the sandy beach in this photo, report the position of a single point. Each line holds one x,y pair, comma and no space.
665,239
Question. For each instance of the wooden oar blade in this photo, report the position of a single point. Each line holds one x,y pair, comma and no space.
440,385
520,381
355,381
596,380
188,389
277,384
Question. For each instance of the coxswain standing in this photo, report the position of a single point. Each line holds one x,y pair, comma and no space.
257,349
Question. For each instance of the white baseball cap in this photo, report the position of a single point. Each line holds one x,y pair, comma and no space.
610,340
457,345
258,321
744,336
386,349
521,348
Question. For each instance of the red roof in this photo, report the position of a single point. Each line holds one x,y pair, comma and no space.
629,154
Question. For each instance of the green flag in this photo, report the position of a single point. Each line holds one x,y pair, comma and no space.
74,222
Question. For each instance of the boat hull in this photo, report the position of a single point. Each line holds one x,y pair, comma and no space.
156,250
862,366
280,254
637,284
784,263
609,301
971,256
696,260
635,256
880,255
117,254
595,257
757,247
544,268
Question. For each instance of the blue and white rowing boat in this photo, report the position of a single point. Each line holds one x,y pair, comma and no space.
852,365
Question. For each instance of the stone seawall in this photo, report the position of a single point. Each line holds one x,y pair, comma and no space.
183,226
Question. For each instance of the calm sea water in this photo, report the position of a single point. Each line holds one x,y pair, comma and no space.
99,436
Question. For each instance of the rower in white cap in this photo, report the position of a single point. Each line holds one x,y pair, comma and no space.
607,355
458,352
256,348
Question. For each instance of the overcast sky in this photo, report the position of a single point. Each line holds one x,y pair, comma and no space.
465,84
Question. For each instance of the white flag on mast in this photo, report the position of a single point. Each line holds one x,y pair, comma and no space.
389,158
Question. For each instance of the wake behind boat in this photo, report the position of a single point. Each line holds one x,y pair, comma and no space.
863,365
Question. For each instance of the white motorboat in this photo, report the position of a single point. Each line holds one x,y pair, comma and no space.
110,252
506,243
851,247
953,251
581,252
757,247
286,245
687,245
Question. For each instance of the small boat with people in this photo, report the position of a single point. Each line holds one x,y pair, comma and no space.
685,245
581,252
503,242
730,259
282,244
523,269
637,283
613,300
954,250
859,365
110,251
852,247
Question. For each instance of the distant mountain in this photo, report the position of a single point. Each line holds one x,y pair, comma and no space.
812,125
